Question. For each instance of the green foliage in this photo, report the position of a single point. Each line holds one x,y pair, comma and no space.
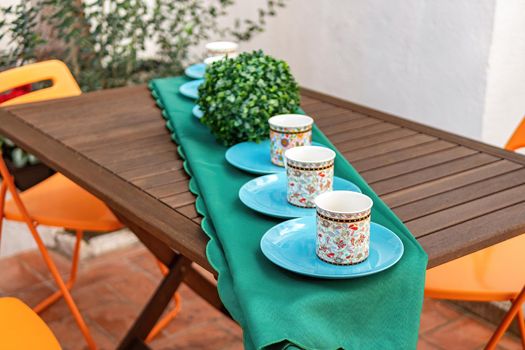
18,22
104,42
240,95
18,157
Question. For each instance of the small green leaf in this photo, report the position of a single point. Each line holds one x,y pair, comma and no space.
240,95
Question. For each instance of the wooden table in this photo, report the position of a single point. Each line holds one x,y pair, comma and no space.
455,195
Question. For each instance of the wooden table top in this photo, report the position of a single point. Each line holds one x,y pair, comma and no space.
454,194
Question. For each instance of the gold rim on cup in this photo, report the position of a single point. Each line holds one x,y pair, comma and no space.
217,48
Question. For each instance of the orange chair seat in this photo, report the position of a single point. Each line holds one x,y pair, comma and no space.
57,201
21,328
494,273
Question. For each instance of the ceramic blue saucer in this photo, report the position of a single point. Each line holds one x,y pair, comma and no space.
195,71
197,112
291,245
254,157
191,88
267,194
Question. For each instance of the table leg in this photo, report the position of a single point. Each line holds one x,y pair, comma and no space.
149,316
180,269
198,283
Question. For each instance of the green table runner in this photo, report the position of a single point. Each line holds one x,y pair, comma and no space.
277,308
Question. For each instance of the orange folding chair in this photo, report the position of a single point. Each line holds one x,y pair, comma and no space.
511,314
496,273
21,328
57,201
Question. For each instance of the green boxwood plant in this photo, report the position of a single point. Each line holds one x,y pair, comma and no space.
240,95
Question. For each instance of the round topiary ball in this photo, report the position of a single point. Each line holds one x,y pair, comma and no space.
240,94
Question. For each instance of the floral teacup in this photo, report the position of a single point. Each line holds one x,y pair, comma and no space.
343,227
221,48
288,131
310,172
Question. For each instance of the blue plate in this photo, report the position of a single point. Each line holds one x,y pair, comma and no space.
254,157
191,88
291,245
197,112
196,71
267,194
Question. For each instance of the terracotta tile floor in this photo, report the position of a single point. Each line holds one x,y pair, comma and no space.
111,290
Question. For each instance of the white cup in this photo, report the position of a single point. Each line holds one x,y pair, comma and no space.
224,48
310,172
212,59
288,131
343,227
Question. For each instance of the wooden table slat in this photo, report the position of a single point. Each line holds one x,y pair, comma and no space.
449,183
467,211
166,190
179,200
365,131
318,107
147,170
418,163
188,211
307,101
337,118
392,158
379,138
352,124
160,179
142,162
93,125
114,155
387,147
431,173
335,113
473,235
460,195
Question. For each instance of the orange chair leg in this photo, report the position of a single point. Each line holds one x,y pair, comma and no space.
47,258
3,191
53,298
163,322
521,324
515,309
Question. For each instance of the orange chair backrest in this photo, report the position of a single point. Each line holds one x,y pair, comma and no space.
63,82
517,140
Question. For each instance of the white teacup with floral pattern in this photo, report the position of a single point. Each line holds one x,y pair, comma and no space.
343,227
310,172
288,131
221,48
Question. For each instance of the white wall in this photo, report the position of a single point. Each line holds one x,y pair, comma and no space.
421,59
456,65
505,98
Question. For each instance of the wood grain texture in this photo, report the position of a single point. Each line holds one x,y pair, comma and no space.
115,144
418,163
431,173
474,235
465,194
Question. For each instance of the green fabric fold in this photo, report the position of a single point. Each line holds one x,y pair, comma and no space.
277,308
